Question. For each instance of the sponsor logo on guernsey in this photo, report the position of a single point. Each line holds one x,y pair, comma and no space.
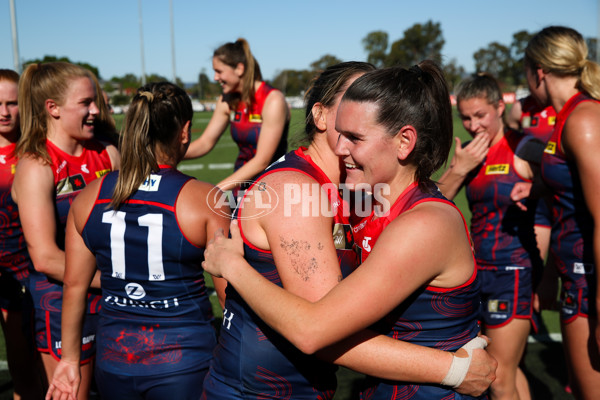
342,237
497,169
85,169
552,120
102,172
61,167
2,159
255,118
498,306
160,304
135,291
550,148
583,268
71,184
151,183
235,116
365,243
360,226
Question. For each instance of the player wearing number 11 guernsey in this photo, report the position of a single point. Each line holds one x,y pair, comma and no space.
144,228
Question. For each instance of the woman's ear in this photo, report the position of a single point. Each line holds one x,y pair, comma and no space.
319,118
407,137
501,107
186,133
52,108
240,69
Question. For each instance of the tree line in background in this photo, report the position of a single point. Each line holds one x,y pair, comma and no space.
419,42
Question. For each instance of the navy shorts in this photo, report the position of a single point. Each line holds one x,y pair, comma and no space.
48,334
506,293
176,386
578,286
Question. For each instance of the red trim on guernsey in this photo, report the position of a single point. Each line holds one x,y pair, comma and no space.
152,203
474,275
95,201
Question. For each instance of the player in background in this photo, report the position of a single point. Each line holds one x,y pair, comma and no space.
527,116
378,118
61,108
503,235
257,114
559,74
23,361
144,228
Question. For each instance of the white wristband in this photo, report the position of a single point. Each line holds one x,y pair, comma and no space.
460,365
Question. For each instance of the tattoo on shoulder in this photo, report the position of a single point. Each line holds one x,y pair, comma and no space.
302,263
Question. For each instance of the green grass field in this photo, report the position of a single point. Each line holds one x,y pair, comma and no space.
544,363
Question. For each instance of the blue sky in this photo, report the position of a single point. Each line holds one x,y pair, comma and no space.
283,34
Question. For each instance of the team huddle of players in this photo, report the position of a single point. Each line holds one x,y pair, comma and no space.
104,242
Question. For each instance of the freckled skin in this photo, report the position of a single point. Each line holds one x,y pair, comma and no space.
296,248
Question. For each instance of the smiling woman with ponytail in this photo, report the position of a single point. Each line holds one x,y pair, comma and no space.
61,110
257,114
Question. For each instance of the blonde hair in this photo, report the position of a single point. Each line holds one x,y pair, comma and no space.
563,51
157,114
39,83
234,53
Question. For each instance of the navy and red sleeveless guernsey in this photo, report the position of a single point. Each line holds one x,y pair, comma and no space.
246,123
442,318
537,121
253,361
71,175
502,233
14,258
572,242
156,318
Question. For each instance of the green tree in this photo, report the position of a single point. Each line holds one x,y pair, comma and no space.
376,44
325,61
47,59
517,50
494,59
454,73
127,83
592,49
420,42
292,82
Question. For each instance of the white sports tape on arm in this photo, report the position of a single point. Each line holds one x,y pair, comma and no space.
460,365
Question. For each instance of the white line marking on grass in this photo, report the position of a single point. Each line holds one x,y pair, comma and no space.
212,166
545,338
220,166
190,167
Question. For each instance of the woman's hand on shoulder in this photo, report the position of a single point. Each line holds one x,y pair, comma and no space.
222,252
